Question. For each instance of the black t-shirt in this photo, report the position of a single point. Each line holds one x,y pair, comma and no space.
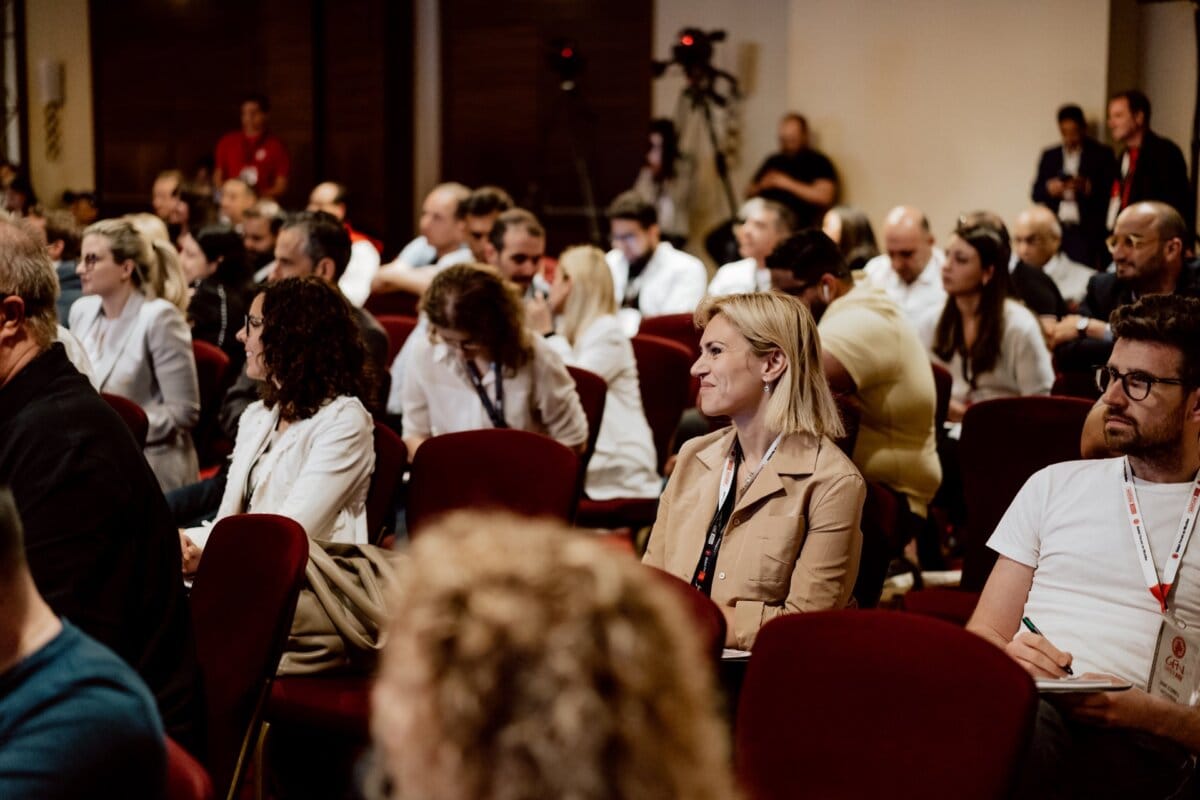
805,166
75,721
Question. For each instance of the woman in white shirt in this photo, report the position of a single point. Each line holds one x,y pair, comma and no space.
589,336
306,449
480,368
139,345
992,345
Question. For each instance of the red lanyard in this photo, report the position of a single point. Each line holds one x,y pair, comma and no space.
1187,522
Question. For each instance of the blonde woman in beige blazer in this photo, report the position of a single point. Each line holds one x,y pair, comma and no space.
140,347
786,538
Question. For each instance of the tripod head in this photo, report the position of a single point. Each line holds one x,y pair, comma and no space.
693,52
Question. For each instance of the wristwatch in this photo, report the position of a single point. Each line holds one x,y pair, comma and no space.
1081,326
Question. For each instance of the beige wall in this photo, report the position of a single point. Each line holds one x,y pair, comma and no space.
58,31
944,105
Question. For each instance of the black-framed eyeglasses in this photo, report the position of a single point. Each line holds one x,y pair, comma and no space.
1137,385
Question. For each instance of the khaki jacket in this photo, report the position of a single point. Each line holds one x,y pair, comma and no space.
793,541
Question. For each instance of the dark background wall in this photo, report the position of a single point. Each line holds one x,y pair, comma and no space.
167,79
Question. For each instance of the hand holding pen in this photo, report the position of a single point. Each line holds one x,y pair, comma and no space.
1037,655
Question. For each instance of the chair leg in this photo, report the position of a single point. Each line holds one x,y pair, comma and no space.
260,761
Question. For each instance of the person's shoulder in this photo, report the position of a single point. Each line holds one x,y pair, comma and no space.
158,308
697,445
1017,314
87,305
680,259
230,139
348,408
1082,474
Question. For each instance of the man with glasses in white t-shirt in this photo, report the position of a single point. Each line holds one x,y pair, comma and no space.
1095,554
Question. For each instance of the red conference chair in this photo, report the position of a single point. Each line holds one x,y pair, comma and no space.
240,635
186,777
1003,442
868,704
680,328
593,392
131,414
391,459
213,374
525,473
398,328
710,622
403,304
664,371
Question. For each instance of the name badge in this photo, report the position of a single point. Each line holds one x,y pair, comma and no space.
1176,671
250,174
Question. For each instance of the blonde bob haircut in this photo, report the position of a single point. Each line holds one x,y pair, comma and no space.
800,399
592,295
527,661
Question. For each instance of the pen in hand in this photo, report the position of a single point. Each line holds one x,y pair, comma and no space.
1033,629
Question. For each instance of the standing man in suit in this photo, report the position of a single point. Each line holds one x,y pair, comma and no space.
1073,181
1151,167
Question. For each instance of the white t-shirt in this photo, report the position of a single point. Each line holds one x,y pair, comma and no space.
914,298
740,277
1088,596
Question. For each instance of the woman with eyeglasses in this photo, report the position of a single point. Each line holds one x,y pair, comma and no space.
480,367
306,449
992,345
139,344
589,336
762,516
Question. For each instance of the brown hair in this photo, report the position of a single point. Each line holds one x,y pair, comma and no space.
948,337
1170,319
476,300
526,660
312,348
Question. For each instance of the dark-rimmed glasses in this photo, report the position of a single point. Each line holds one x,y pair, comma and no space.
1137,385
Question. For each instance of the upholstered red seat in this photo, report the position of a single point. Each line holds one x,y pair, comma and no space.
132,415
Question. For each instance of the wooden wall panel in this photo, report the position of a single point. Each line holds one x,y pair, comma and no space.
506,120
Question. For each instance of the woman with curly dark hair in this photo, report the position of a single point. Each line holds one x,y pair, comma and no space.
305,450
481,368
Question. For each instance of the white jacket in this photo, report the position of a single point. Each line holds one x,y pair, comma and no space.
672,283
317,472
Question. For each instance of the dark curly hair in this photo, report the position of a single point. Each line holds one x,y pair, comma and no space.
476,300
312,348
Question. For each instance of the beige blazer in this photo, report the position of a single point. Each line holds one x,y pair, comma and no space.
793,541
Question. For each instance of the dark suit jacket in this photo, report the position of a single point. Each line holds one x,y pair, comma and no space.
1096,163
70,288
99,539
1104,295
1161,174
1036,290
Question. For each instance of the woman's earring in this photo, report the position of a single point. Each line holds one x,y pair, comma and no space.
766,387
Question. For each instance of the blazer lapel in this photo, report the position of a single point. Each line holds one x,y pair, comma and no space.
796,455
260,439
121,334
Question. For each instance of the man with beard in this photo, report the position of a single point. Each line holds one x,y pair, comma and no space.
1147,247
1096,552
872,353
650,277
260,228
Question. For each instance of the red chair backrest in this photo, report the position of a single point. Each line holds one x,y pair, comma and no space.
943,382
242,603
523,472
391,459
593,392
679,328
398,328
664,376
186,777
214,376
402,304
840,703
1003,442
132,414
710,622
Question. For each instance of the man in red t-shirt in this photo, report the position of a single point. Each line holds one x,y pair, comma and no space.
252,154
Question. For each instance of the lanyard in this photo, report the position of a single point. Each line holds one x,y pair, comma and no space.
494,411
1187,522
702,577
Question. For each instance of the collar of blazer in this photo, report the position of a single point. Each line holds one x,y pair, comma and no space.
796,455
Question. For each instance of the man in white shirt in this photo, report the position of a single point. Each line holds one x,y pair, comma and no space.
650,277
443,242
1037,241
761,225
910,270
355,283
1096,555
